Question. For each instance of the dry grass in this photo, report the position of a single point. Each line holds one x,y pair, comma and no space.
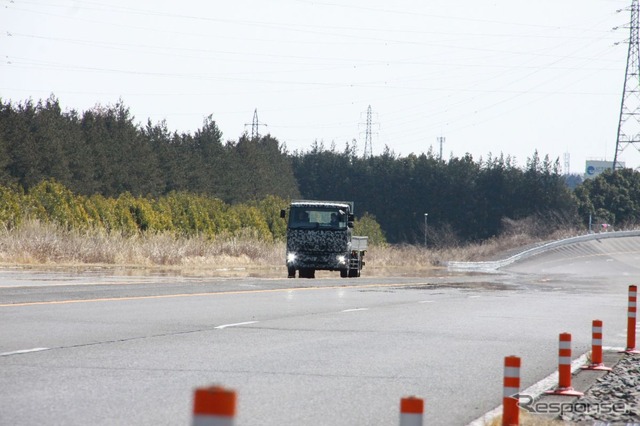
528,419
415,258
500,247
39,244
36,243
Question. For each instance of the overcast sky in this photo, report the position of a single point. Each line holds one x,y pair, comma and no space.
503,76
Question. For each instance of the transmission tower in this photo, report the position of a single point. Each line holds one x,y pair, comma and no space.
368,148
567,163
368,134
629,124
255,125
441,141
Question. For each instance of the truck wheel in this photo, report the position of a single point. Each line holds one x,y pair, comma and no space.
354,273
343,273
292,272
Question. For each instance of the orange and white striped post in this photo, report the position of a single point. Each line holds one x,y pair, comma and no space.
511,389
596,348
631,320
564,368
214,406
411,411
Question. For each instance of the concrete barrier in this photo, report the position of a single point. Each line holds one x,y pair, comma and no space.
491,266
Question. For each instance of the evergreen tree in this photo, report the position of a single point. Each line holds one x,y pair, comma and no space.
611,197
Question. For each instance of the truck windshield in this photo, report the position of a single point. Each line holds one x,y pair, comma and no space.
315,217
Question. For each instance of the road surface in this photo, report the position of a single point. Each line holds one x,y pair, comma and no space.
93,348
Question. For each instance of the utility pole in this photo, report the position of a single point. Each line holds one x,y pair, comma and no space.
426,215
629,123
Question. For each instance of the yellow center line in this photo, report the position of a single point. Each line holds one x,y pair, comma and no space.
56,283
219,293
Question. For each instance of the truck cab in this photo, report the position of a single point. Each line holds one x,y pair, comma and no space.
319,237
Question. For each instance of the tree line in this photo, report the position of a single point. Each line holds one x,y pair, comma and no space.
180,214
103,152
465,200
177,213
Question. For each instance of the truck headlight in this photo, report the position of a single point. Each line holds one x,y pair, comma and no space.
341,259
291,257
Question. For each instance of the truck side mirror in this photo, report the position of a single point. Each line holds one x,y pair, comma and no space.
351,217
350,224
283,213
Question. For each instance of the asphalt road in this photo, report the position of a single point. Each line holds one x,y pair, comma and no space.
94,348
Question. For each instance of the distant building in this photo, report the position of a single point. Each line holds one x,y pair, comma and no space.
595,167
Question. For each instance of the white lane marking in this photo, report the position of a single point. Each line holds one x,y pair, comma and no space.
426,301
613,348
356,309
24,351
473,297
220,327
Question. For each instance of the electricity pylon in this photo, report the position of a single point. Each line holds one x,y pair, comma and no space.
629,124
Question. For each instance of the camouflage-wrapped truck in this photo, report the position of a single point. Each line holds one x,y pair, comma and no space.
319,238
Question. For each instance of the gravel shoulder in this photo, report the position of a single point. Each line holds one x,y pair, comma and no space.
610,398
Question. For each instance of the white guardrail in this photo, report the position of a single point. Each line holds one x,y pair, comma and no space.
491,266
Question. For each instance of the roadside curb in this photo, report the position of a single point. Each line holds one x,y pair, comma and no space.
582,380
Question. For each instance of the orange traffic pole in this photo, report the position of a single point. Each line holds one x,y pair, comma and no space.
631,320
214,406
511,389
411,411
564,368
596,348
